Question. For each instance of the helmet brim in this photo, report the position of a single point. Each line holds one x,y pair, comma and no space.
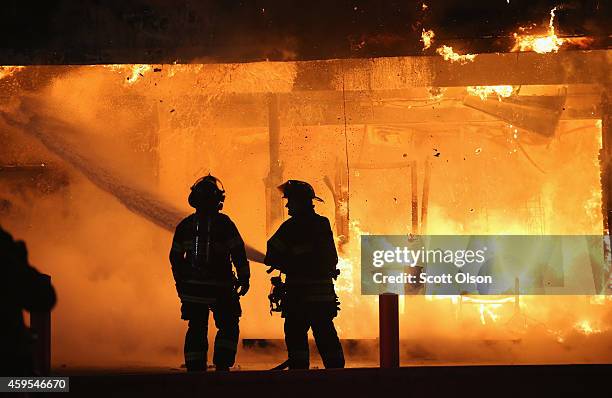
285,188
318,199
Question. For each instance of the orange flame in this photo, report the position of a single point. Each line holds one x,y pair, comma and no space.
7,71
450,55
445,51
427,38
135,71
548,42
488,309
586,328
485,91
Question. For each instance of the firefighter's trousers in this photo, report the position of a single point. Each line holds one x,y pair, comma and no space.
226,313
326,338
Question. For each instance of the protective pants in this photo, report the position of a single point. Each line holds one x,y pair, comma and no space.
226,314
326,338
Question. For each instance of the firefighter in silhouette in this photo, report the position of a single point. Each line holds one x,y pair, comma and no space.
22,288
303,249
204,247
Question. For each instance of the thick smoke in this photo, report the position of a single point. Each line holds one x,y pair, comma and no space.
50,132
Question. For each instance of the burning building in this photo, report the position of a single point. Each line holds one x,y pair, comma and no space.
98,157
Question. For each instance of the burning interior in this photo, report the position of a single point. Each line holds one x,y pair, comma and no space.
97,161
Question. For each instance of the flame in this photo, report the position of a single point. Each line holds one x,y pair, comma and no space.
453,298
600,299
7,71
484,91
427,38
489,301
450,55
586,328
348,263
135,71
445,51
548,42
357,307
345,280
488,309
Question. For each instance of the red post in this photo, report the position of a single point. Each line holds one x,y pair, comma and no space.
40,324
388,319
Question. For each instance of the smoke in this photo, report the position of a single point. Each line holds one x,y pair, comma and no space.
136,200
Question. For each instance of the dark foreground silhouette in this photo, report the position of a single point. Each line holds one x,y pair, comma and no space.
22,288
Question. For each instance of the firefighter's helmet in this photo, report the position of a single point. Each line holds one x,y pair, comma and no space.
299,190
207,190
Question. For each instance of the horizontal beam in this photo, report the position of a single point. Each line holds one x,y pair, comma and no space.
367,74
318,109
